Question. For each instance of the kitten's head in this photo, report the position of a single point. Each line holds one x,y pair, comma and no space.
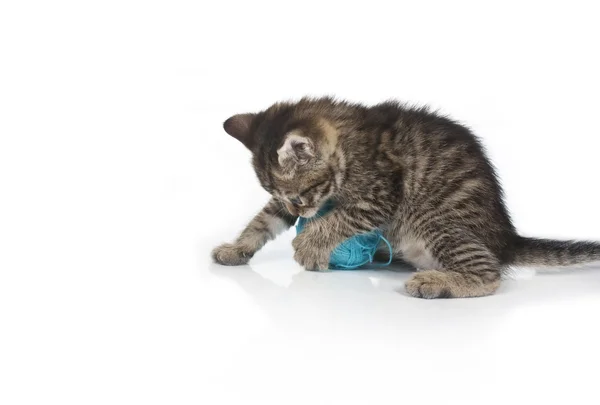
293,154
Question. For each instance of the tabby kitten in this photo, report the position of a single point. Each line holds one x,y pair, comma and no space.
420,177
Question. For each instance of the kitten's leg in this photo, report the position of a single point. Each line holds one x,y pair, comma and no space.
469,269
318,239
266,225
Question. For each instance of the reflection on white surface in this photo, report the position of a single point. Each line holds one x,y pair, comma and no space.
346,332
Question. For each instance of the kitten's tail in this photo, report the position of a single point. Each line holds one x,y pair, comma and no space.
548,252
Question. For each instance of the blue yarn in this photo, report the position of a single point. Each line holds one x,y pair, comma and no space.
353,252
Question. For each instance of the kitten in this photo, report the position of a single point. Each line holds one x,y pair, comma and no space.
420,177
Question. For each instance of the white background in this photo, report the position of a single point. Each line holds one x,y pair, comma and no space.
116,180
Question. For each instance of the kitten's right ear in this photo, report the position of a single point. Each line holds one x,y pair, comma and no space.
238,126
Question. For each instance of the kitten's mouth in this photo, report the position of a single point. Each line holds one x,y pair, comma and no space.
304,212
308,212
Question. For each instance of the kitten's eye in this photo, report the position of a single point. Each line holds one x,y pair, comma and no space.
296,201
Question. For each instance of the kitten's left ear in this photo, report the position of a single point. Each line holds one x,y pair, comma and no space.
297,149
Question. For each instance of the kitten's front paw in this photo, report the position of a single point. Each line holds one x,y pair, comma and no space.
231,255
310,255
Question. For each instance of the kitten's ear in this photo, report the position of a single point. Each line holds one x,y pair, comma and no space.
296,149
238,126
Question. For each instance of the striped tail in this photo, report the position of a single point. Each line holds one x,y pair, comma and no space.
548,252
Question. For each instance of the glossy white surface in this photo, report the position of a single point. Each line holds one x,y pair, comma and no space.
116,181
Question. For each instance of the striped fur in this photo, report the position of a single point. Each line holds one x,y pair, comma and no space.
265,226
421,177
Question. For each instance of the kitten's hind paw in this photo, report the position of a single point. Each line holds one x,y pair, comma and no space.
451,284
429,284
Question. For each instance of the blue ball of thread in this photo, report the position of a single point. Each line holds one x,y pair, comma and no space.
354,252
